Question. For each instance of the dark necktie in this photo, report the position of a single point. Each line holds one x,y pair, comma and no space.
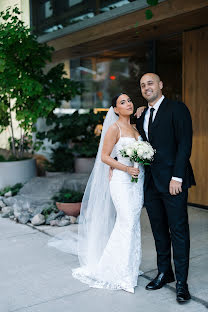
150,122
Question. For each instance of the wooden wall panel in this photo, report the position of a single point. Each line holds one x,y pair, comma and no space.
195,95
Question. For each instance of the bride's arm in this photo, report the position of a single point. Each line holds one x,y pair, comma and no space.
110,140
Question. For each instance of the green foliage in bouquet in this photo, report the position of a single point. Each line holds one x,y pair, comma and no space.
68,196
27,90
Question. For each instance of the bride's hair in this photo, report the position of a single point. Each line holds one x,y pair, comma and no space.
115,98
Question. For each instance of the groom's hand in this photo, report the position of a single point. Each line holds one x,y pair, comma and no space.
175,187
139,111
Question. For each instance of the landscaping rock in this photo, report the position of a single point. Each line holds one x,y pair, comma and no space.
60,214
59,222
38,219
18,210
51,217
63,222
73,219
8,194
54,222
2,204
7,212
24,217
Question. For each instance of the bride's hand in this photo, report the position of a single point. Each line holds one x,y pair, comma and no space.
139,111
133,171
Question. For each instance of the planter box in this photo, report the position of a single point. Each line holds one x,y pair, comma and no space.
13,172
70,209
84,165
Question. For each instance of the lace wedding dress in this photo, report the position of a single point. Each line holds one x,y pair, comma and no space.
118,267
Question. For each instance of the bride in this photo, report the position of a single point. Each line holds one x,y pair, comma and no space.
109,235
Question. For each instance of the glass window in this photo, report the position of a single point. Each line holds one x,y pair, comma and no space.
74,2
117,71
49,16
169,65
109,73
48,9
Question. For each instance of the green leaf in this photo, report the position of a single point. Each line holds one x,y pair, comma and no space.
148,14
26,87
152,2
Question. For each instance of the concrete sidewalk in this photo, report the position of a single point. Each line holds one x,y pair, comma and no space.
37,278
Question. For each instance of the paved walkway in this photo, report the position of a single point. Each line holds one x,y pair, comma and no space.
37,278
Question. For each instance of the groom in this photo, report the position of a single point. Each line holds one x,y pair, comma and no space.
167,126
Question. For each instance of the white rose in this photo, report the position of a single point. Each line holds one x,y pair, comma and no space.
129,151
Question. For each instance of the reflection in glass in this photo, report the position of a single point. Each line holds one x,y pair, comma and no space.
118,71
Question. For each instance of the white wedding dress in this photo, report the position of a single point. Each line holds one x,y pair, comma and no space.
118,267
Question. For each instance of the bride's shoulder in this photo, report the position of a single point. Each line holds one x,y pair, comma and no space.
114,128
113,132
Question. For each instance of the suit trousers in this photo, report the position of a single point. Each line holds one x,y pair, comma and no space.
169,221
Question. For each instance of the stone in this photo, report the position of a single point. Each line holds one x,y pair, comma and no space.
34,210
7,212
59,222
63,222
38,219
10,201
2,204
60,214
54,222
24,217
8,194
17,210
51,217
72,219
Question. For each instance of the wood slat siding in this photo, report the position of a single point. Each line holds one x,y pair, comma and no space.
195,95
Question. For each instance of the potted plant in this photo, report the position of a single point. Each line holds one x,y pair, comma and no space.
85,144
79,133
27,92
62,160
68,201
85,154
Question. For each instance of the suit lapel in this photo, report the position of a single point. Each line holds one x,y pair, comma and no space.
141,121
160,113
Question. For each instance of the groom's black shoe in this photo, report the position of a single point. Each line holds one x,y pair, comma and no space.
160,280
182,292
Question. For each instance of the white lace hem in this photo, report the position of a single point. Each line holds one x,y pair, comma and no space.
88,278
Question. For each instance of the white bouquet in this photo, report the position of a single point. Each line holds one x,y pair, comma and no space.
139,152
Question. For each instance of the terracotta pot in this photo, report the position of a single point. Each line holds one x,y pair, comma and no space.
70,209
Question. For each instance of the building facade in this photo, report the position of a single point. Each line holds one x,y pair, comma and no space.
109,44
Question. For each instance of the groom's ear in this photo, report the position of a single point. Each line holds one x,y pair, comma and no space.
161,85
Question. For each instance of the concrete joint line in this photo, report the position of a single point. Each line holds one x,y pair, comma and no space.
194,298
54,299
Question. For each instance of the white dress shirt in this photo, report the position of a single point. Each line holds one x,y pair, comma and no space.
146,123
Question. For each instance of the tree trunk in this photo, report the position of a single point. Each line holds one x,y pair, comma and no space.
21,144
12,129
